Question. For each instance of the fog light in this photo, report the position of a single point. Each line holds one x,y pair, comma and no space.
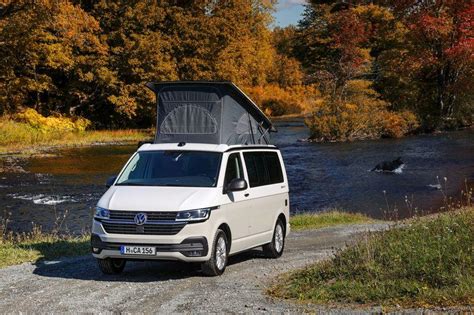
195,253
95,250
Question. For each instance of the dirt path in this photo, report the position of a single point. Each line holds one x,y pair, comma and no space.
76,284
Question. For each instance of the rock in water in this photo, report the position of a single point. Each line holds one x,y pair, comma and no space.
389,166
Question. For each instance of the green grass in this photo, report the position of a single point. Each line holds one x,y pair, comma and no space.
423,262
45,247
325,219
18,136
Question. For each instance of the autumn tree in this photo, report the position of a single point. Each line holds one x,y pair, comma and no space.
187,40
50,56
417,54
138,53
437,61
339,45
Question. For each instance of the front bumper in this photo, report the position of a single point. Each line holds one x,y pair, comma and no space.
190,249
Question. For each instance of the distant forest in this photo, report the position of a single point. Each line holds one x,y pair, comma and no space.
356,69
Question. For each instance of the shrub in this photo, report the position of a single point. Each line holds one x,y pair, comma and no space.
357,113
52,123
398,124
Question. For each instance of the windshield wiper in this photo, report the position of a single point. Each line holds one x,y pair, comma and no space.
131,184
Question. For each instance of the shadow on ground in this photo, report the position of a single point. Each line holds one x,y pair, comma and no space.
85,268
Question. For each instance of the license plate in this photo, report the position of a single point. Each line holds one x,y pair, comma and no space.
137,250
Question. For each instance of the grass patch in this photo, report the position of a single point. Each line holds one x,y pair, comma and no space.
425,262
19,136
325,219
46,247
17,248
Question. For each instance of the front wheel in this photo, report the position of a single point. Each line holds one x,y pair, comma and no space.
111,266
216,265
274,249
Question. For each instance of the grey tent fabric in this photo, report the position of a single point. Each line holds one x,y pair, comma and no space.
189,118
208,112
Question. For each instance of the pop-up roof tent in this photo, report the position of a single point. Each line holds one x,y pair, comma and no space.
208,112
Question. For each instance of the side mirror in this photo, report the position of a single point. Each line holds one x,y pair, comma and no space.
237,184
110,181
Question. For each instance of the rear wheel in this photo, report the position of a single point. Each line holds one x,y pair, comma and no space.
274,249
218,262
111,266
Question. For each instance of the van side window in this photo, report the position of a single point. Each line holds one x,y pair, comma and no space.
263,168
234,168
274,167
255,163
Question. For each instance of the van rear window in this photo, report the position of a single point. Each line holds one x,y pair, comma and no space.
263,168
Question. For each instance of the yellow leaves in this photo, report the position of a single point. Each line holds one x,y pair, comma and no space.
58,56
52,124
285,71
396,125
351,107
374,12
124,103
245,60
359,114
88,77
277,101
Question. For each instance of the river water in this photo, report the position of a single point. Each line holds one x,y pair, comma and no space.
321,176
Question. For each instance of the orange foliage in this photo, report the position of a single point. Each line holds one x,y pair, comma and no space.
398,124
276,101
358,114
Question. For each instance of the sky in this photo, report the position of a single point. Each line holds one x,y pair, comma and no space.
288,12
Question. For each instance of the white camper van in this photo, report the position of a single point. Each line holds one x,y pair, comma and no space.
201,201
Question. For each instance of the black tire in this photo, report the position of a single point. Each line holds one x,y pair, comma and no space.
212,267
272,249
111,266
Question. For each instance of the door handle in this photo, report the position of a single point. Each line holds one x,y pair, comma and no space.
247,194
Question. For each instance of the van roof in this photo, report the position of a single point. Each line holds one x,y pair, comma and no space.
200,147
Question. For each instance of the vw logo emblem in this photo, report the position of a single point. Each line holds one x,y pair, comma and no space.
140,218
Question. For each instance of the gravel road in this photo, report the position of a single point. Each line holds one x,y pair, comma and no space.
76,284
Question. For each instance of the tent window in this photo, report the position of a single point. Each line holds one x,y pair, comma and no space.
243,126
189,119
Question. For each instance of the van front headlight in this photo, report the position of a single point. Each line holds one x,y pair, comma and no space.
101,213
195,215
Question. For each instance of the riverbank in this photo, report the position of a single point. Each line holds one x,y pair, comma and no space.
421,262
18,138
35,142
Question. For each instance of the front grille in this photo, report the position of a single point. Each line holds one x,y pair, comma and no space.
158,223
146,229
152,216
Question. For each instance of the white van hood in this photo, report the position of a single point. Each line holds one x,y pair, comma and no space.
147,198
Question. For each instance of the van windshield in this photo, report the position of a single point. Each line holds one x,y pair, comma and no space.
172,168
